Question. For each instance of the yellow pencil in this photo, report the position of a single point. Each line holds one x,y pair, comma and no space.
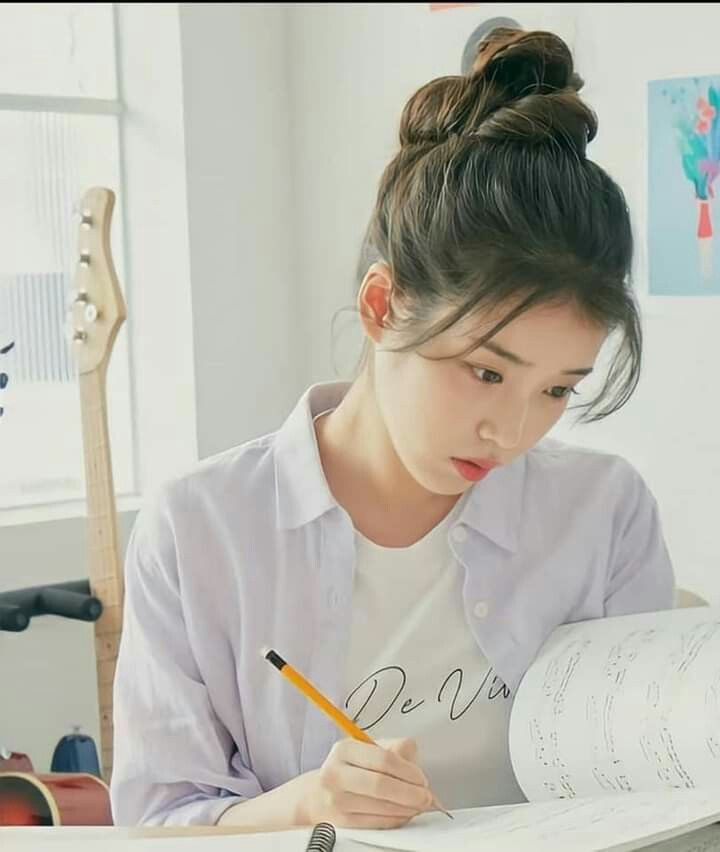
309,691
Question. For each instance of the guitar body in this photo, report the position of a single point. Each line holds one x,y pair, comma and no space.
54,799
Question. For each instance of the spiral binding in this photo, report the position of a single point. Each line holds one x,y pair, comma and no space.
322,838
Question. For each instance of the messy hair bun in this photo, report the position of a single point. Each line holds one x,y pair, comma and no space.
522,87
492,202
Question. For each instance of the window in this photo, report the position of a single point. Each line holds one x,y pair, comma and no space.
70,76
59,120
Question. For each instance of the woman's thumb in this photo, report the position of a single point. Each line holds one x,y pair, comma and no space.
405,747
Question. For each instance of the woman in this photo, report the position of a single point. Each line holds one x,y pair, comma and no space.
408,541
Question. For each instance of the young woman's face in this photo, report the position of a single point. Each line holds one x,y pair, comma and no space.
443,409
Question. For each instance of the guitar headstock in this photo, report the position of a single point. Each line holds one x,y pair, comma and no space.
97,309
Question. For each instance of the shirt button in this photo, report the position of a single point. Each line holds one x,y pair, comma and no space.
480,609
459,534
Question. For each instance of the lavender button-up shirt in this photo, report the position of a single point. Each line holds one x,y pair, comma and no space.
251,549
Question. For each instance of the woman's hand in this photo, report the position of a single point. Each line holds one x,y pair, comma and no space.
365,786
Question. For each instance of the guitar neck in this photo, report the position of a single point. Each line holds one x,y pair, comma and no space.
105,569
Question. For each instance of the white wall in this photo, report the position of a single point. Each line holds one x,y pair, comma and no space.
355,65
249,348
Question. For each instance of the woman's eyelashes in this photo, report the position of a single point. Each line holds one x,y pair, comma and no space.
488,376
492,377
565,391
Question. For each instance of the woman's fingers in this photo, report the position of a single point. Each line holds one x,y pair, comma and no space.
379,759
379,785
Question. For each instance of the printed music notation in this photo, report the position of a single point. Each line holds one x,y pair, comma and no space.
621,705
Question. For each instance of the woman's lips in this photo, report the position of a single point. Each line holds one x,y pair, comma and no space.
473,469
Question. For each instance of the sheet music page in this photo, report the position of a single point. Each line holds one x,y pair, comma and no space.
617,822
623,704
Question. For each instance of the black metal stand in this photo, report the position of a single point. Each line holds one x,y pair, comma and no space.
68,600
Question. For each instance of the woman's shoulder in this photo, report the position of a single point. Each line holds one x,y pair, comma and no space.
217,485
555,455
564,468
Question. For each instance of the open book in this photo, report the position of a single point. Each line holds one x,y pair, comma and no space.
614,739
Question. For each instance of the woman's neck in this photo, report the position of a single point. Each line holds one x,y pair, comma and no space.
367,477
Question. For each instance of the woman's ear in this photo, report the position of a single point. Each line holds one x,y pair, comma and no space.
374,300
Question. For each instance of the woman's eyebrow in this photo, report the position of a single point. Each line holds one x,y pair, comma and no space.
516,359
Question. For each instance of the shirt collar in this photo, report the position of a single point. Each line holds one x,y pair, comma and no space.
303,493
493,507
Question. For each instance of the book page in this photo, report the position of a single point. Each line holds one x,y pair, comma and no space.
623,704
617,822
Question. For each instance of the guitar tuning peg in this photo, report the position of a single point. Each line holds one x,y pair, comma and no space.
73,334
85,259
84,216
76,297
91,313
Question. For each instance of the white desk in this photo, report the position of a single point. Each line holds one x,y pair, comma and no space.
193,839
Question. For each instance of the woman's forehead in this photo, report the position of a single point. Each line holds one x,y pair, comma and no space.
549,314
539,334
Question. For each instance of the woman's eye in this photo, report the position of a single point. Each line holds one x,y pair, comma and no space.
560,392
488,376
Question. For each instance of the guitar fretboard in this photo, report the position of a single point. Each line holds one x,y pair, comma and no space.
105,565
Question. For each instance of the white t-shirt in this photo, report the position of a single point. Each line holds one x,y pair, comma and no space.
415,670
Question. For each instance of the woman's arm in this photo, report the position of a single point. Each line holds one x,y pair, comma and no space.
174,762
641,576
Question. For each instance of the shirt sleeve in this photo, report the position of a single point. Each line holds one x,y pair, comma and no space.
174,762
641,575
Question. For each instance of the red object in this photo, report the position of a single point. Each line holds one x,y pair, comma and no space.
56,798
15,761
704,220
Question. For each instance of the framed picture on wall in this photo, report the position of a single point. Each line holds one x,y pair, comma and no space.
683,167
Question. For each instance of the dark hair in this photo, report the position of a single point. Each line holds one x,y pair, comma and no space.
491,199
